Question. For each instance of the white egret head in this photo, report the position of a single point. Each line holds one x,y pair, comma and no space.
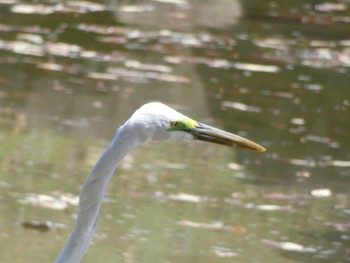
156,121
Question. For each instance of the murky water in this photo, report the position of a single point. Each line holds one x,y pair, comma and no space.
277,72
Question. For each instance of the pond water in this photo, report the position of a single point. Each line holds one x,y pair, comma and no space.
277,72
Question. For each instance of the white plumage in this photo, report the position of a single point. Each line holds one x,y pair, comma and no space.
152,122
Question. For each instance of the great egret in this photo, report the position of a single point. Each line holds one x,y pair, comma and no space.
152,122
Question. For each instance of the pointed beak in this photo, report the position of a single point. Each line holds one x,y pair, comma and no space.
207,133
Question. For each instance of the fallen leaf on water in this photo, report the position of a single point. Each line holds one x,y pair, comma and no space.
316,138
41,226
50,66
169,165
340,163
43,201
235,166
186,198
57,202
321,192
32,38
223,252
83,6
174,2
143,66
327,7
32,9
146,75
135,8
300,162
288,246
240,106
102,76
256,67
273,208
239,229
298,121
214,225
8,2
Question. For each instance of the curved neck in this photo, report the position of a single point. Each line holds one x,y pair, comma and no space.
91,196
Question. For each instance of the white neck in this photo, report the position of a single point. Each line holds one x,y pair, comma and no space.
91,196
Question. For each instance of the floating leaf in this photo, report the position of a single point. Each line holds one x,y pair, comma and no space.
240,106
168,165
215,225
339,163
298,121
153,67
235,166
186,198
57,202
41,226
328,7
256,67
289,246
325,192
273,208
223,252
32,9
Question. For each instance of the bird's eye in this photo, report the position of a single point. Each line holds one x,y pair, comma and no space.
174,124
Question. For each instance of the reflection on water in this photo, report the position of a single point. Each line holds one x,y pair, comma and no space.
276,72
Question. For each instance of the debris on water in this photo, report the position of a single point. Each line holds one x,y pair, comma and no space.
222,63
102,76
223,252
313,87
135,8
143,66
183,3
41,226
169,165
186,198
217,225
50,66
31,38
328,7
82,6
145,76
67,7
235,166
239,229
56,202
325,192
273,208
303,173
301,162
289,246
339,163
256,67
238,195
32,9
240,106
97,104
298,121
